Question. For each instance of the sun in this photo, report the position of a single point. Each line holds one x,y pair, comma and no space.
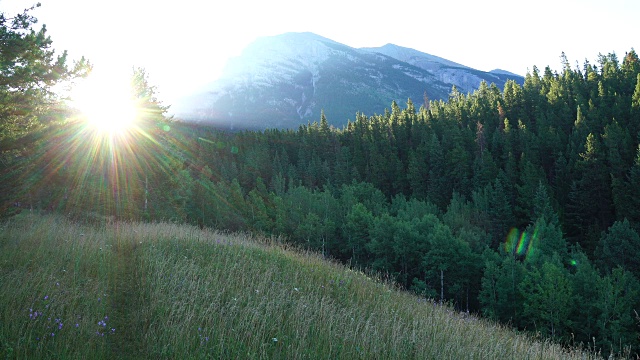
105,101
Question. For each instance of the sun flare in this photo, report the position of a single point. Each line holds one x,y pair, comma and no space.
105,101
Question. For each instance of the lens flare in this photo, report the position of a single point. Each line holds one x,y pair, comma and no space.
521,244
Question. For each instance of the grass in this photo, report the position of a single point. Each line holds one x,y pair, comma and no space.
169,291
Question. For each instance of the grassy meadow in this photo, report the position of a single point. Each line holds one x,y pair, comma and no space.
167,291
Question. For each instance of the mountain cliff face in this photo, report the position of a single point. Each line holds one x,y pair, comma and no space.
464,78
284,81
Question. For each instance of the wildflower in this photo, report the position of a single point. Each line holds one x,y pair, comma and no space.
113,330
57,284
275,340
46,297
52,334
77,325
206,338
60,326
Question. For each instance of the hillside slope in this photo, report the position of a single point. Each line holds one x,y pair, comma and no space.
170,291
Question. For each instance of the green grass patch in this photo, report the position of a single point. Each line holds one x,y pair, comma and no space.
170,291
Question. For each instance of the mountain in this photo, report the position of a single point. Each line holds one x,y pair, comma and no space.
286,80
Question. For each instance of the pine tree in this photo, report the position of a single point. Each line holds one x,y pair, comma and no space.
590,210
29,71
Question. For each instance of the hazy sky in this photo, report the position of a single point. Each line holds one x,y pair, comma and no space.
184,44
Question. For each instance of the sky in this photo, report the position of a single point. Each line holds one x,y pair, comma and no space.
185,44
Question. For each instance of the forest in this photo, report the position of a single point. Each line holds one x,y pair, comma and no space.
520,204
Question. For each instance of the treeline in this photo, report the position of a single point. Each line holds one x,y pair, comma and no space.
522,204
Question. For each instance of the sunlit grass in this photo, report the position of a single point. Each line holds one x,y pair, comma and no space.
171,291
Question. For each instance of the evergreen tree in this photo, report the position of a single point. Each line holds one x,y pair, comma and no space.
531,178
438,188
542,207
546,242
590,202
29,71
618,247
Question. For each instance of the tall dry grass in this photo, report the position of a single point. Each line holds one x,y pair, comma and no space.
130,290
